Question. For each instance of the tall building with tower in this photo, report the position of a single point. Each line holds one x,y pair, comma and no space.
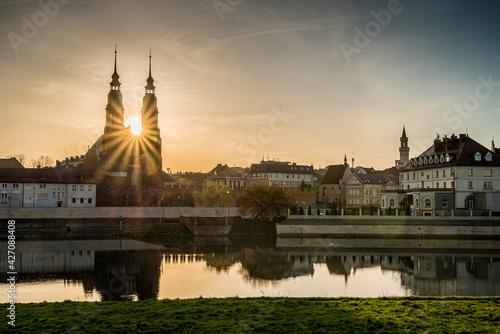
404,151
126,165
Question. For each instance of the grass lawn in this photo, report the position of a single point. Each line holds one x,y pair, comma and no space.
262,315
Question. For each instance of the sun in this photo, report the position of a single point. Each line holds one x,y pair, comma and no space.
135,125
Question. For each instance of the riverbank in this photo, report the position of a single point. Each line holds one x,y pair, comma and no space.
269,315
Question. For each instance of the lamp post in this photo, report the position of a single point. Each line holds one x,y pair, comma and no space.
227,220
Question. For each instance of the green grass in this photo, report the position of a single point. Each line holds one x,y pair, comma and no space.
263,315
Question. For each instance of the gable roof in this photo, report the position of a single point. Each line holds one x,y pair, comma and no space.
377,178
10,163
461,151
334,174
224,171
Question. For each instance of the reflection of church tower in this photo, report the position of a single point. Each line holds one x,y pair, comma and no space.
152,162
404,151
114,113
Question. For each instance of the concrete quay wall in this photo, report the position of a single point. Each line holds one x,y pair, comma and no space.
390,226
116,212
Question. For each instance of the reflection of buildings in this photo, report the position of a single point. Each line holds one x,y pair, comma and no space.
117,269
450,276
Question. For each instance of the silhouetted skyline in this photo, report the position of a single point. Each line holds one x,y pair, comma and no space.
227,76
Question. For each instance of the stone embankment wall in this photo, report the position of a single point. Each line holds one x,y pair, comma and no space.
116,212
390,226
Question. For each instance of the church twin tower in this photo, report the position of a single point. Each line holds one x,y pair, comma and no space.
118,140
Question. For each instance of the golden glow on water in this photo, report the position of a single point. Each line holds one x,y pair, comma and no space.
51,291
195,279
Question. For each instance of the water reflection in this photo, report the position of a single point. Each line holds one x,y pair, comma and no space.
132,270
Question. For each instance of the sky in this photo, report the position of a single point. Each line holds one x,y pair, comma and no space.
239,80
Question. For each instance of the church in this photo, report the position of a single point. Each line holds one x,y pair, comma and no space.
128,167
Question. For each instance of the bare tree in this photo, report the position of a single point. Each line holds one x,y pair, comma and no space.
41,162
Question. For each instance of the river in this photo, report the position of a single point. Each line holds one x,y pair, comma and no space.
84,269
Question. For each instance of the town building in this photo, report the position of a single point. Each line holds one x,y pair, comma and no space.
228,177
47,187
333,186
364,189
298,180
454,175
289,176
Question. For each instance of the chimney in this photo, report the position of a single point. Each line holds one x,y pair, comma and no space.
462,136
437,144
448,142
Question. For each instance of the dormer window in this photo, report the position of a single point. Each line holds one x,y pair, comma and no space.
477,156
488,156
447,157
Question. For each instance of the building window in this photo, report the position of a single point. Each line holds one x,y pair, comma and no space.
470,186
437,173
469,172
437,185
427,203
89,188
73,200
487,184
383,203
444,185
477,156
445,203
414,176
4,198
74,187
452,184
488,156
4,185
15,186
444,173
90,201
82,187
43,186
408,176
416,202
487,172
81,200
391,203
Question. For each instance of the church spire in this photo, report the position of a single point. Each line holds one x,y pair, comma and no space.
404,132
115,84
150,88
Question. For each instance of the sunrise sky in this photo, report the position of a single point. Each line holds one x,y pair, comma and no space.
225,69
